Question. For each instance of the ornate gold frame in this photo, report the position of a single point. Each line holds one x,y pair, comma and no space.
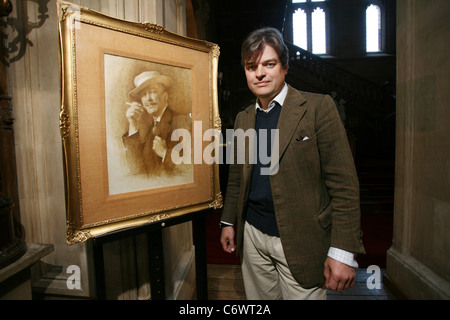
78,54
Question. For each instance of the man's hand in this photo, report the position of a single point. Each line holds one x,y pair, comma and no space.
160,147
227,239
134,114
338,275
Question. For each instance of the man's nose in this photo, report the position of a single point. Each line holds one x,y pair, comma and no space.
260,72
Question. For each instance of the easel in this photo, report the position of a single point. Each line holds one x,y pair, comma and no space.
155,248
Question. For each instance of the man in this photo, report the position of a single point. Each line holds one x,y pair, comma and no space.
151,122
298,230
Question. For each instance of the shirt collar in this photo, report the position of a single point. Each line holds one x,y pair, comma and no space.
279,98
158,118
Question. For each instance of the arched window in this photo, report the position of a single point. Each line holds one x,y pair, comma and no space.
319,34
299,29
373,28
309,24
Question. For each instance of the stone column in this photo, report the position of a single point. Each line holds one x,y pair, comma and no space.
417,263
12,246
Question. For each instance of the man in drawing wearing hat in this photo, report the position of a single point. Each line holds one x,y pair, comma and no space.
148,142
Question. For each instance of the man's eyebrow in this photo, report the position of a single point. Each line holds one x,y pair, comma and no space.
271,60
251,62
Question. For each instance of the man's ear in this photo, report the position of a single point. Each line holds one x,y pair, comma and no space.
166,97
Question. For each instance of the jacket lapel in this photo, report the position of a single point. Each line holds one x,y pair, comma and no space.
248,123
249,118
292,113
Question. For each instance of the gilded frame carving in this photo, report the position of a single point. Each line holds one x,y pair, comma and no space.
99,58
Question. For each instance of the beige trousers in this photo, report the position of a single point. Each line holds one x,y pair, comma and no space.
266,273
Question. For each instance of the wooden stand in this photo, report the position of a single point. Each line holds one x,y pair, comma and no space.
155,247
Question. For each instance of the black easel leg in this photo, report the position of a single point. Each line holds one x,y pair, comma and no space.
156,264
199,225
99,266
156,257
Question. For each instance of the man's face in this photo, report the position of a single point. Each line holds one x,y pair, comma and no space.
154,98
265,74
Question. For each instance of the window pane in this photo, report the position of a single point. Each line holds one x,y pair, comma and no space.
298,1
318,31
299,29
373,28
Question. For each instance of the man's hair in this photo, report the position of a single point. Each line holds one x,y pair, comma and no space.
256,41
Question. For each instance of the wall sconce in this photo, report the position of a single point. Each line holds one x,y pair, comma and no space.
21,25
5,8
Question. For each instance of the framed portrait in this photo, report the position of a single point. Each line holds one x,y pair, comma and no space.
136,104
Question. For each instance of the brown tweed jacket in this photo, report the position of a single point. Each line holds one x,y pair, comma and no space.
315,191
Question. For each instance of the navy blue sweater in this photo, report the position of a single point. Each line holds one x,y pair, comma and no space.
260,211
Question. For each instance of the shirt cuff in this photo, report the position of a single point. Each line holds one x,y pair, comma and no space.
225,224
343,256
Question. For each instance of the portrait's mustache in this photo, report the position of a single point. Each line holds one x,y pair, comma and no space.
150,103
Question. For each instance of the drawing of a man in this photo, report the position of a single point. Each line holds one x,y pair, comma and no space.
151,122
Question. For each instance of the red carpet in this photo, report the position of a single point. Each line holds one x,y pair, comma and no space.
214,251
377,238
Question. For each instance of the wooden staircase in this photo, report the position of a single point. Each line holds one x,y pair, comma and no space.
369,108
